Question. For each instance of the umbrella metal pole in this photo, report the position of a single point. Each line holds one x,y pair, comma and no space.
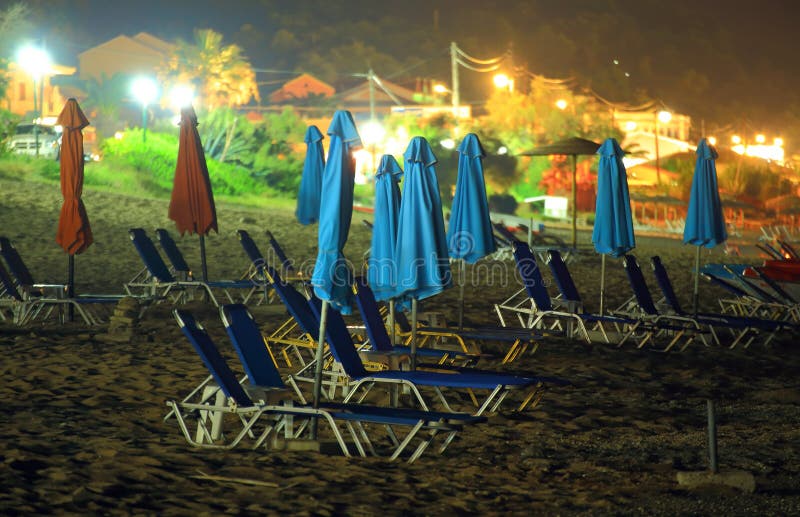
461,279
392,330
574,202
413,334
696,292
203,264
323,323
71,287
602,282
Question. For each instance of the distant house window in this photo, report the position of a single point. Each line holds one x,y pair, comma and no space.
21,91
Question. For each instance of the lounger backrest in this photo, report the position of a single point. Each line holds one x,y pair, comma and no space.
249,344
16,266
172,251
211,357
566,286
665,284
725,284
788,250
286,264
736,273
150,256
251,249
295,303
339,340
531,275
636,278
7,286
783,295
370,313
402,322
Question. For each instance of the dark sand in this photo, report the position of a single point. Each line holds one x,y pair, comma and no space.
82,416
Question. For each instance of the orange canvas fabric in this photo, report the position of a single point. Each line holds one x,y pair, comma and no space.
192,203
74,231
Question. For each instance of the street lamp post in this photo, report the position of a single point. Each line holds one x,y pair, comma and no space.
36,62
145,90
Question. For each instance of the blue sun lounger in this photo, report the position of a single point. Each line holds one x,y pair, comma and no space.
157,282
32,300
499,384
248,403
744,329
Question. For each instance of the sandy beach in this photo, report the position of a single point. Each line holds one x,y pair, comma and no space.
83,430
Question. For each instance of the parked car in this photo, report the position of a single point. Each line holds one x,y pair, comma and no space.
23,141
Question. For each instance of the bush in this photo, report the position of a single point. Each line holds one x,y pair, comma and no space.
502,203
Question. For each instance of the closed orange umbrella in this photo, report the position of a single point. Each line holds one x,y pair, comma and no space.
192,204
74,232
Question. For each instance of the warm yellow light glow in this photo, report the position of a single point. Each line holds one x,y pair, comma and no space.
118,135
35,61
630,125
664,116
145,90
760,139
712,140
778,142
561,104
736,139
440,88
501,81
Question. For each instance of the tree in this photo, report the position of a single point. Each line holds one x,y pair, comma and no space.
104,97
13,24
220,73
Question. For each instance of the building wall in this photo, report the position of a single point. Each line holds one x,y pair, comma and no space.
19,95
119,55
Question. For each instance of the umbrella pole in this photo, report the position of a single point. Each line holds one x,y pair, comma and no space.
602,281
71,286
461,279
574,202
696,293
323,323
413,334
392,330
203,258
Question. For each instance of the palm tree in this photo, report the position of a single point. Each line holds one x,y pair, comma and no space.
221,73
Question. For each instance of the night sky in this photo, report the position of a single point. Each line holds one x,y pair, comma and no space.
728,61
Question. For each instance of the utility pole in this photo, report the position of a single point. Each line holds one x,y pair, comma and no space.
371,79
454,72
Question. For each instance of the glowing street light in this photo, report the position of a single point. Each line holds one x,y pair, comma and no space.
181,96
503,81
736,139
664,117
145,90
712,140
778,142
36,62
561,104
440,88
760,139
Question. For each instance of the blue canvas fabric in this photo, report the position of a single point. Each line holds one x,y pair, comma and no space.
308,197
382,267
613,224
469,232
332,277
423,263
705,224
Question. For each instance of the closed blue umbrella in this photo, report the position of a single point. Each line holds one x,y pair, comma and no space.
613,224
421,250
308,197
331,277
705,224
382,268
469,231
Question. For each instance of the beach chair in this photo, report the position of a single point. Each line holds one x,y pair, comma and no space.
286,265
532,306
446,345
622,328
677,329
159,283
746,300
360,381
249,402
788,250
34,300
183,273
743,329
